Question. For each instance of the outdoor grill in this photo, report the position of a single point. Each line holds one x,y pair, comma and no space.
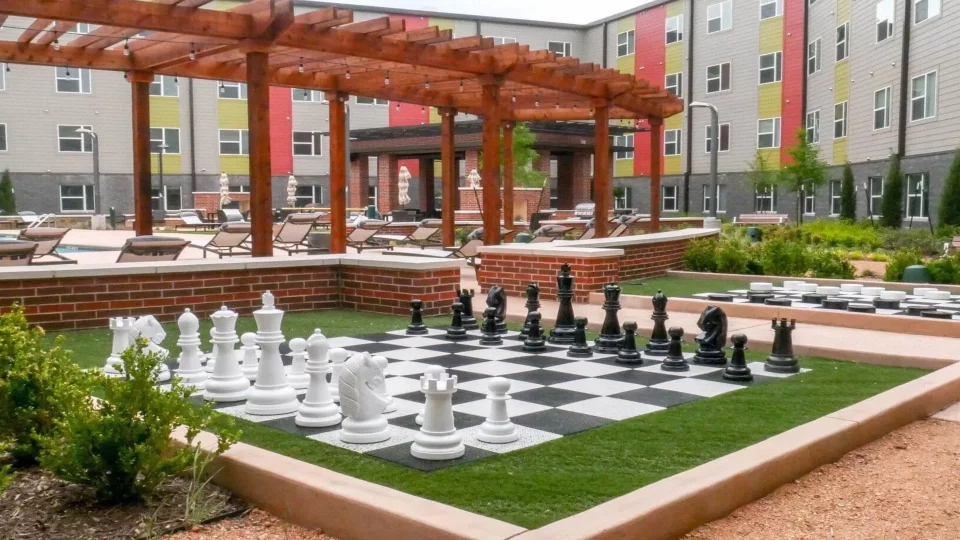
584,210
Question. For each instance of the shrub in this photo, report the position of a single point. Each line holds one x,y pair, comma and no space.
701,255
950,198
898,262
39,385
878,257
945,270
848,195
869,274
855,255
782,258
891,206
732,257
825,263
8,201
122,448
919,240
842,234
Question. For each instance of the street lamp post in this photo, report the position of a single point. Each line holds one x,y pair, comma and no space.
96,167
160,194
714,149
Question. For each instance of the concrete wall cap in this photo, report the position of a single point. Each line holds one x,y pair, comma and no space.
640,239
552,249
399,262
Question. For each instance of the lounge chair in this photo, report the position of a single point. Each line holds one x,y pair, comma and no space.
47,240
28,218
192,220
16,252
230,215
361,237
230,237
549,233
469,251
424,235
152,249
291,235
477,234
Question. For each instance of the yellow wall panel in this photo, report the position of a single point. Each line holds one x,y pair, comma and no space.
171,164
164,111
434,115
673,122
235,164
443,24
626,64
841,81
843,11
772,157
623,167
232,113
626,23
771,35
674,8
224,5
768,101
672,164
839,151
673,58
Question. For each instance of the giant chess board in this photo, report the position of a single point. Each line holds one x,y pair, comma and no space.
552,395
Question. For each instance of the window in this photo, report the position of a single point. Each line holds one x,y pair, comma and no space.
171,200
372,196
307,195
884,20
809,200
724,138
625,200
770,8
674,84
3,137
312,96
875,191
718,78
71,141
840,120
502,40
623,140
721,196
626,43
239,189
668,198
770,67
923,98
164,85
765,199
843,50
674,29
835,187
768,133
561,48
720,16
813,57
881,108
169,137
234,142
307,143
3,76
925,9
917,187
73,81
813,127
233,90
371,101
672,142
76,198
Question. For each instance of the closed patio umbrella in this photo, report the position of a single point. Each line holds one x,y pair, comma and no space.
403,185
291,191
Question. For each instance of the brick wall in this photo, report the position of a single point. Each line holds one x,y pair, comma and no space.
209,201
582,179
359,182
387,190
521,196
382,290
651,260
514,273
471,161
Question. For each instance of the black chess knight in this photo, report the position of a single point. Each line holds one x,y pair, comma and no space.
533,304
781,359
562,333
497,299
610,335
659,341
712,338
466,298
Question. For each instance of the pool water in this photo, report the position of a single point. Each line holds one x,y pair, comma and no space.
80,249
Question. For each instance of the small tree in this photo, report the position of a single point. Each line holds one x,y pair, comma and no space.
8,203
892,204
760,174
950,200
805,172
524,175
848,196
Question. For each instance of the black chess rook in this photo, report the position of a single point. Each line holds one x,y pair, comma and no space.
782,359
466,298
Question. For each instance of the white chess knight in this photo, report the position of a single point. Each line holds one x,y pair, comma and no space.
123,336
438,438
382,363
432,372
149,328
362,406
249,354
190,370
271,394
297,376
338,356
318,408
498,428
227,383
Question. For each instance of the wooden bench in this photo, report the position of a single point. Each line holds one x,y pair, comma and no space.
761,219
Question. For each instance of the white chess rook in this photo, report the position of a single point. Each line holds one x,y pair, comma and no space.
123,336
190,370
438,438
250,360
362,406
338,356
498,428
227,383
297,376
432,372
382,363
318,408
271,394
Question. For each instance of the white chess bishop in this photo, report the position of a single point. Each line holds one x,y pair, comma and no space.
227,383
498,428
249,353
297,376
338,356
438,438
123,336
362,406
271,394
149,328
318,408
190,370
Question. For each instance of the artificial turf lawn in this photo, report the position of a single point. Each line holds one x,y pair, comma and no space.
676,286
538,485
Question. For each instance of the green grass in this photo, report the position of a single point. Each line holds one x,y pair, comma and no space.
674,286
538,485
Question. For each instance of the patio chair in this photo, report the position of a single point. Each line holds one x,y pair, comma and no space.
230,240
152,249
622,227
192,220
28,218
361,237
477,234
589,232
47,240
16,252
469,251
424,235
549,233
291,235
229,215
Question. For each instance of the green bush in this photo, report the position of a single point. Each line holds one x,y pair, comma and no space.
855,255
945,270
783,258
919,240
701,255
825,263
891,205
950,197
848,196
878,257
8,201
898,262
732,257
846,234
39,385
122,448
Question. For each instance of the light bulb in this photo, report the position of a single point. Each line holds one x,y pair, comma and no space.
386,80
398,105
56,44
347,76
461,85
126,49
300,68
193,53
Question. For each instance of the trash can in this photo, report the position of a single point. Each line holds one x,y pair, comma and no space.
522,238
371,211
916,273
754,234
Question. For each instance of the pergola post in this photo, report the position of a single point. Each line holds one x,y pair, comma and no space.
448,168
142,179
508,176
258,121
491,164
656,147
601,170
338,173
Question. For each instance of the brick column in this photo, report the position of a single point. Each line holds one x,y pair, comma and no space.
471,161
581,178
565,182
427,199
359,182
387,190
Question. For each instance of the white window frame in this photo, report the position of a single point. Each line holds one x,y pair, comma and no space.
721,197
76,74
774,131
624,202
314,199
813,128
719,78
3,76
313,96
923,195
884,109
374,196
677,135
372,101
673,24
224,86
886,22
930,4
724,127
155,196
316,142
815,47
86,197
628,41
623,140
86,141
845,42
836,188
777,67
926,95
725,16
676,85
809,201
502,40
241,135
163,84
778,8
82,28
566,48
872,197
165,134
841,119
664,198
5,139
768,193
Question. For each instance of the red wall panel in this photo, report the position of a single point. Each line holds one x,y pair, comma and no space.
281,131
649,65
793,66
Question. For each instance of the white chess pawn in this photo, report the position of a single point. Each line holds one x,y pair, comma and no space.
498,428
297,376
382,363
338,356
438,438
227,383
212,357
250,360
190,369
271,394
318,408
432,372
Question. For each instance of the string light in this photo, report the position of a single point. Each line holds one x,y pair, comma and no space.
193,53
56,44
398,105
347,76
422,109
8,67
67,72
461,85
386,80
126,48
300,68
427,84
536,100
513,98
222,87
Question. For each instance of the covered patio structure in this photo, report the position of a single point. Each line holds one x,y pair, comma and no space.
262,43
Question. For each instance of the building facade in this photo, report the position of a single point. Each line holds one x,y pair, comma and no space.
865,78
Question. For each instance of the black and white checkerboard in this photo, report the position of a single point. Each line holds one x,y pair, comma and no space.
553,395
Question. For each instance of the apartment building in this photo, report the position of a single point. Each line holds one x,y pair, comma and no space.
866,78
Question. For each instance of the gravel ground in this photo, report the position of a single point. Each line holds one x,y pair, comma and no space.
903,486
257,525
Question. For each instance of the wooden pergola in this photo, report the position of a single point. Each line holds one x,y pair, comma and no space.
263,44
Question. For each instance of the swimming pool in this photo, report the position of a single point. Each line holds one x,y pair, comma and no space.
62,249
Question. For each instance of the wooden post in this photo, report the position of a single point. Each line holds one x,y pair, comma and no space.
601,170
656,147
448,167
338,173
261,174
142,179
508,176
491,164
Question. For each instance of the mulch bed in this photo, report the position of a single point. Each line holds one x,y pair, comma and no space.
37,505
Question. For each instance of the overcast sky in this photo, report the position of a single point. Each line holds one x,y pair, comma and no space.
562,11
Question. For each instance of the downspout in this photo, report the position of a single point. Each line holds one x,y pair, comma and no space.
603,52
806,51
689,117
904,81
193,143
478,28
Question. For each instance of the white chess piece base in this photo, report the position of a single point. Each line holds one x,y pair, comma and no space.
263,401
437,446
364,432
318,415
498,432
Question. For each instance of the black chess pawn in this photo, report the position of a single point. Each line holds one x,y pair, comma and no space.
628,353
466,298
456,331
534,343
580,349
562,333
675,360
416,326
659,342
608,342
737,370
781,359
533,304
490,336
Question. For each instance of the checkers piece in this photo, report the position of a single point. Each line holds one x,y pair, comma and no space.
812,298
720,297
861,308
937,314
781,301
835,303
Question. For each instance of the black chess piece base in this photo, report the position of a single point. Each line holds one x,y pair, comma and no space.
417,330
456,334
781,364
533,346
657,347
579,351
501,326
561,336
737,373
494,339
629,357
675,364
710,358
608,344
470,323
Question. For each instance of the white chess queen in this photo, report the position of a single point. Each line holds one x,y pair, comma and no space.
360,404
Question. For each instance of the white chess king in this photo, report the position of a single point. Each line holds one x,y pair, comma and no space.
271,394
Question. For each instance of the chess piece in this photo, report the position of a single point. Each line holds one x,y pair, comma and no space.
490,335
628,353
123,337
497,298
456,331
227,383
562,333
466,298
432,372
498,429
149,328
659,341
533,304
190,370
249,349
534,341
781,359
712,338
212,357
382,363
297,376
318,408
337,357
608,342
438,438
580,349
271,394
416,326
361,405
675,360
737,370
